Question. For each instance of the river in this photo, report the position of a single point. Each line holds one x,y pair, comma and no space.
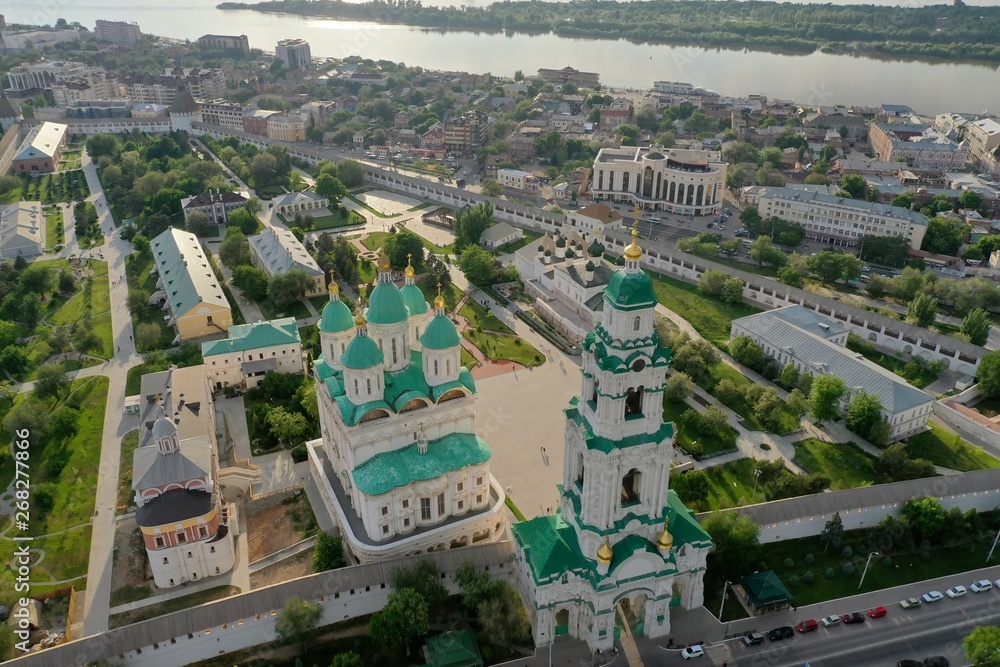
813,79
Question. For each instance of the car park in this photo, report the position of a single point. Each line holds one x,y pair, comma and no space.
807,625
752,638
853,617
877,612
784,632
932,596
695,651
830,620
909,603
956,591
981,585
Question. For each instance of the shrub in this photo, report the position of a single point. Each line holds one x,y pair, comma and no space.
810,559
887,561
925,544
766,447
829,574
788,562
793,581
807,577
925,556
847,552
847,568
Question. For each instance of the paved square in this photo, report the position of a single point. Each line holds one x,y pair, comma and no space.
387,203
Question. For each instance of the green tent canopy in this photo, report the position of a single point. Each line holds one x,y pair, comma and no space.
454,649
765,591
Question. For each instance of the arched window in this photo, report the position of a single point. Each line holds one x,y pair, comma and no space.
435,367
611,180
636,323
600,180
355,386
630,487
633,402
394,351
447,366
579,470
369,381
593,397
625,182
647,182
333,351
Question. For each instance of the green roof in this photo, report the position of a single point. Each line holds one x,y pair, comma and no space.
618,356
361,352
440,334
245,337
454,649
385,472
414,300
630,291
336,317
385,305
185,273
765,589
661,437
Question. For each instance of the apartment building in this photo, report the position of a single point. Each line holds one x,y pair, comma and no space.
225,113
984,144
98,85
118,33
569,75
227,42
467,132
615,114
295,53
835,220
203,84
287,127
515,179
684,181
28,79
256,122
919,145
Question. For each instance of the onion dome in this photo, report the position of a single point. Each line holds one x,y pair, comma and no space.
336,316
634,252
570,254
596,249
414,300
385,306
440,333
665,540
409,266
561,242
362,352
591,266
605,553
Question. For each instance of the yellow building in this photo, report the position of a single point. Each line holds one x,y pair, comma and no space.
290,127
191,292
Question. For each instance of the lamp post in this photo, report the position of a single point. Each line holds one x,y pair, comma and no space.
722,606
756,478
990,554
863,573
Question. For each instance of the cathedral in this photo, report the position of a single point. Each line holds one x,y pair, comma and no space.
399,464
622,547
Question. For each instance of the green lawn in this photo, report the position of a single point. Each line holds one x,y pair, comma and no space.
92,300
910,371
479,316
846,464
672,412
66,556
94,238
336,220
125,492
297,310
707,314
319,303
505,347
233,306
138,268
788,421
732,485
451,293
12,196
514,246
53,188
375,240
54,227
468,360
948,450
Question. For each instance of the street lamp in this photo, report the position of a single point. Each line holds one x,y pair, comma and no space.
722,606
867,563
756,478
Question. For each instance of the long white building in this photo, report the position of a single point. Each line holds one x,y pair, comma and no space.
250,351
683,181
276,251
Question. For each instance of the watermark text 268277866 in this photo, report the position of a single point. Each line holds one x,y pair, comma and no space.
21,562
22,481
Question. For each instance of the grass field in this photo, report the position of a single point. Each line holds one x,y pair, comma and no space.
707,314
468,360
452,294
335,220
52,188
375,240
53,227
505,347
672,412
125,492
66,557
847,466
948,450
139,276
93,301
297,310
788,421
732,485
479,316
514,246
910,371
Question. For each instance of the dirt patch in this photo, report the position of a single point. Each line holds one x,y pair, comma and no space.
297,566
128,574
280,525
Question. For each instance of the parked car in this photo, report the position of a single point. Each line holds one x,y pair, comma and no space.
910,663
695,651
936,661
853,617
932,596
752,638
909,603
877,612
784,632
981,585
830,620
956,591
807,625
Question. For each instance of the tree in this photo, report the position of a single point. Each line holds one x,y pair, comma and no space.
478,265
863,412
14,361
37,279
298,621
630,134
988,373
692,486
925,515
243,220
470,223
894,465
197,223
982,646
251,282
797,403
735,178
732,247
330,187
404,616
351,173
254,206
264,169
943,236
735,542
473,584
147,335
425,579
30,414
855,186
830,266
768,175
286,425
732,290
742,152
141,244
138,300
679,387
502,615
64,422
402,247
9,334
970,200
922,310
976,326
817,179
490,187
824,399
833,530
762,252
744,350
50,381
891,250
7,638
235,249
349,659
712,282
328,554
284,289
790,276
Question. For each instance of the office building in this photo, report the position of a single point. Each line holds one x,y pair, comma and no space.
226,42
295,53
118,33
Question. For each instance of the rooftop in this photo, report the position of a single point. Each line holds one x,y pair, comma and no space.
42,141
20,225
872,208
184,396
599,212
281,252
384,472
497,232
186,275
259,335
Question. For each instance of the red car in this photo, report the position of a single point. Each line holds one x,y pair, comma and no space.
807,626
877,612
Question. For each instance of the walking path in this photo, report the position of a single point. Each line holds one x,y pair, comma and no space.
282,554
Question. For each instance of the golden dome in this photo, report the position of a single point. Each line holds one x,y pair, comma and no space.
359,319
409,266
383,262
334,287
665,540
634,252
439,300
604,553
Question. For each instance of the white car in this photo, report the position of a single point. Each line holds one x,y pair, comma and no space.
932,596
909,603
695,651
981,585
831,620
956,591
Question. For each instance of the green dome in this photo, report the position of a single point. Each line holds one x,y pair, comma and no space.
596,249
561,242
440,334
627,291
385,306
414,300
336,317
361,352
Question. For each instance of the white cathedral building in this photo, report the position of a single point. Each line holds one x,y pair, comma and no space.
621,538
399,464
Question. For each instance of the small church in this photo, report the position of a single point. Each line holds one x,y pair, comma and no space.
622,545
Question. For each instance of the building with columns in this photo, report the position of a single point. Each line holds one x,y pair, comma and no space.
399,464
680,181
621,540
